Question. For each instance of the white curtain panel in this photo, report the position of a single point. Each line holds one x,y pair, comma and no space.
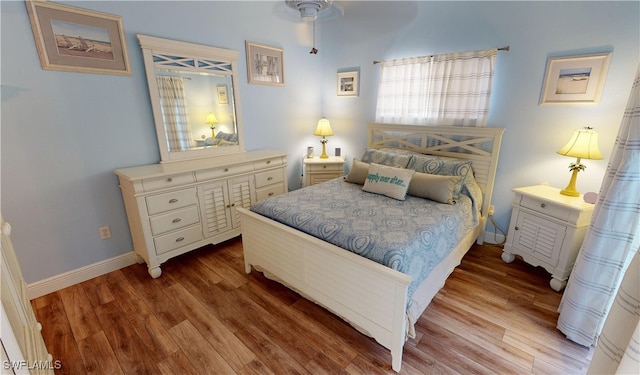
174,113
612,239
445,89
618,350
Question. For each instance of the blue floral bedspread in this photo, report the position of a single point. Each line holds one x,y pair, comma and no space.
410,236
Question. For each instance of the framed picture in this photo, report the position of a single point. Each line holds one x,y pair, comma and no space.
78,40
348,83
222,94
575,79
265,64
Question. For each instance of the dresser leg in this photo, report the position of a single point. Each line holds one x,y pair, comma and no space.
557,284
155,272
507,257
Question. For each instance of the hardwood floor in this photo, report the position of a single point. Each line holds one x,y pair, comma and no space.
205,315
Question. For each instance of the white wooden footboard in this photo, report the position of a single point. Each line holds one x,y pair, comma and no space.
364,293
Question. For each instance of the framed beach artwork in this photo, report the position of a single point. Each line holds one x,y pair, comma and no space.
575,79
222,94
348,83
265,64
78,40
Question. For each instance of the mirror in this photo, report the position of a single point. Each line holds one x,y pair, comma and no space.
194,96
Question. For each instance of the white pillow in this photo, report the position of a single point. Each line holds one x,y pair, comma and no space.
389,181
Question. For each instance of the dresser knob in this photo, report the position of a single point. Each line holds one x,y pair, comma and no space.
226,169
176,220
268,161
269,178
169,179
543,205
324,166
270,194
179,239
517,228
174,200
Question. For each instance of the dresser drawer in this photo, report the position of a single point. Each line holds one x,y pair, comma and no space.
270,191
177,239
150,184
267,163
221,172
269,177
174,220
171,201
325,168
545,207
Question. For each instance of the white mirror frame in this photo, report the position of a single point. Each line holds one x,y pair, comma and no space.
158,46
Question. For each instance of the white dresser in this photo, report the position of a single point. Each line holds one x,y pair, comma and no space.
547,229
174,208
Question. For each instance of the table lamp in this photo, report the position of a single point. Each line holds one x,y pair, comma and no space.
323,129
211,121
583,145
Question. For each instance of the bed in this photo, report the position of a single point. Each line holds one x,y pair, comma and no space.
382,298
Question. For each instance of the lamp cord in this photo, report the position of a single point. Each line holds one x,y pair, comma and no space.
495,233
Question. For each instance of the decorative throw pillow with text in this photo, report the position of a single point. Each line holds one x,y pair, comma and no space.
389,181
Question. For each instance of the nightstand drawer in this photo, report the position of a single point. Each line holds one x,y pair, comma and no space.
171,201
174,220
325,167
269,177
545,207
177,239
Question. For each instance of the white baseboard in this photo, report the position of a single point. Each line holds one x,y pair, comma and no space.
52,284
55,283
493,239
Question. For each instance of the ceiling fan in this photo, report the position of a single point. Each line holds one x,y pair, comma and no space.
310,10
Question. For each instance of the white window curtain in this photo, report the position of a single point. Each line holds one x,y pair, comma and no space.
611,241
174,113
446,89
618,350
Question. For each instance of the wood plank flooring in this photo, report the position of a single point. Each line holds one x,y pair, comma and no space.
204,315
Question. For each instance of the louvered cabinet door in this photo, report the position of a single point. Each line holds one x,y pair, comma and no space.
242,195
539,237
214,203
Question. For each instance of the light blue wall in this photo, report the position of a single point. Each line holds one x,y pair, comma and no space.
63,133
534,30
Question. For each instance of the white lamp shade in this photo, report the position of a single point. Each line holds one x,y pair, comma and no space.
583,145
323,128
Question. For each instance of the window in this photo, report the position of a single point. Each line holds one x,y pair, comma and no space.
446,89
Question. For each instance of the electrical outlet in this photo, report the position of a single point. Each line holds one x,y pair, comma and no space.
105,232
492,209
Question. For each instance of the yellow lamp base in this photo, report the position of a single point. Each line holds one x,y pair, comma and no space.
324,149
571,190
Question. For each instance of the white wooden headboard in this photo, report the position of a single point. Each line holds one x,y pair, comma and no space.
480,145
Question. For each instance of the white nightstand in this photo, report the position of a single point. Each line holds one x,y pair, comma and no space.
547,229
319,170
